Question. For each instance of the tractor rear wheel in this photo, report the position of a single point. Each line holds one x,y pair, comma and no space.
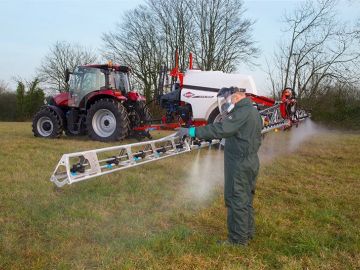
143,111
107,120
47,124
139,114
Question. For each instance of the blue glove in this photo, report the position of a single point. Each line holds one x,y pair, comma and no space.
185,132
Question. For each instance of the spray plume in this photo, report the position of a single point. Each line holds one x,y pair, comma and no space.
207,170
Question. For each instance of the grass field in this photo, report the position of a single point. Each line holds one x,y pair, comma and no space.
169,214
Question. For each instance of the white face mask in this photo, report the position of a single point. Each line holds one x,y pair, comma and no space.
225,104
229,104
230,107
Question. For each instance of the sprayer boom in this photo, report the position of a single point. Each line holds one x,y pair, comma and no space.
75,167
79,166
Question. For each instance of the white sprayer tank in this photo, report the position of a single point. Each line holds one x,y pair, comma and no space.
200,89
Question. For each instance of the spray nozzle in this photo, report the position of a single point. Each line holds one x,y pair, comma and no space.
161,150
141,154
196,142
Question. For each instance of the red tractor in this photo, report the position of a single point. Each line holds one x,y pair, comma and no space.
99,102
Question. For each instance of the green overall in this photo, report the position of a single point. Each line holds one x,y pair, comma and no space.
242,130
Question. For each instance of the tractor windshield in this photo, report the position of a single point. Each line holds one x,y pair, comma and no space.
119,80
85,80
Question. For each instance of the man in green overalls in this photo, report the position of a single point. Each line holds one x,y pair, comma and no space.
242,130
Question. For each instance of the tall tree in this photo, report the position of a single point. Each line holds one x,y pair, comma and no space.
222,36
136,42
62,56
20,101
4,87
28,101
175,28
319,50
34,98
149,36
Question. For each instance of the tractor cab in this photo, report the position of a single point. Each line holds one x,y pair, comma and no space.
89,81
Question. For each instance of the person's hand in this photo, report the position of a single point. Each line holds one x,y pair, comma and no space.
182,132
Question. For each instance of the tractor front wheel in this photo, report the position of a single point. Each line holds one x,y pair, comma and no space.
107,120
47,124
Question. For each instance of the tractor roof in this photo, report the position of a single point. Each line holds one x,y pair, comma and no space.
107,66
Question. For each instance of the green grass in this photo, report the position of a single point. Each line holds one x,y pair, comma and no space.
307,206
